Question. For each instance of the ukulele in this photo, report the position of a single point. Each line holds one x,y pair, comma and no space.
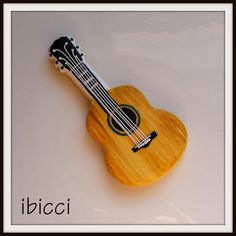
141,143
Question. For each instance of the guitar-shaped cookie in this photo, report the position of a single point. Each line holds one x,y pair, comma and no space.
141,143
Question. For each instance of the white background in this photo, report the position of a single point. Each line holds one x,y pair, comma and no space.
175,58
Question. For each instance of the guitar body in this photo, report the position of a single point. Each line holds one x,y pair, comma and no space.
147,164
141,143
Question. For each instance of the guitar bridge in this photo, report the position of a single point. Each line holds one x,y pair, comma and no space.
145,142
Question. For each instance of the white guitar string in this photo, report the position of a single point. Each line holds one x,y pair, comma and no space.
115,107
93,85
132,125
133,138
130,135
137,132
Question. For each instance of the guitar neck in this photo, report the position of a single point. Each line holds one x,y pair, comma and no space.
93,84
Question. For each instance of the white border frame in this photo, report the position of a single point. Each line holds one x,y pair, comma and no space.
227,8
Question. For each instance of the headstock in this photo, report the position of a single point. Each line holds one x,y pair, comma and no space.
65,53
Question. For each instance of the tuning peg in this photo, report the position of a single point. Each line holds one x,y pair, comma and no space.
61,69
81,54
77,47
50,57
57,64
71,39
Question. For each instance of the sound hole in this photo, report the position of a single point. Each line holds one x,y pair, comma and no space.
133,117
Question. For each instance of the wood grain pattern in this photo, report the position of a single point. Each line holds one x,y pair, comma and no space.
148,164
